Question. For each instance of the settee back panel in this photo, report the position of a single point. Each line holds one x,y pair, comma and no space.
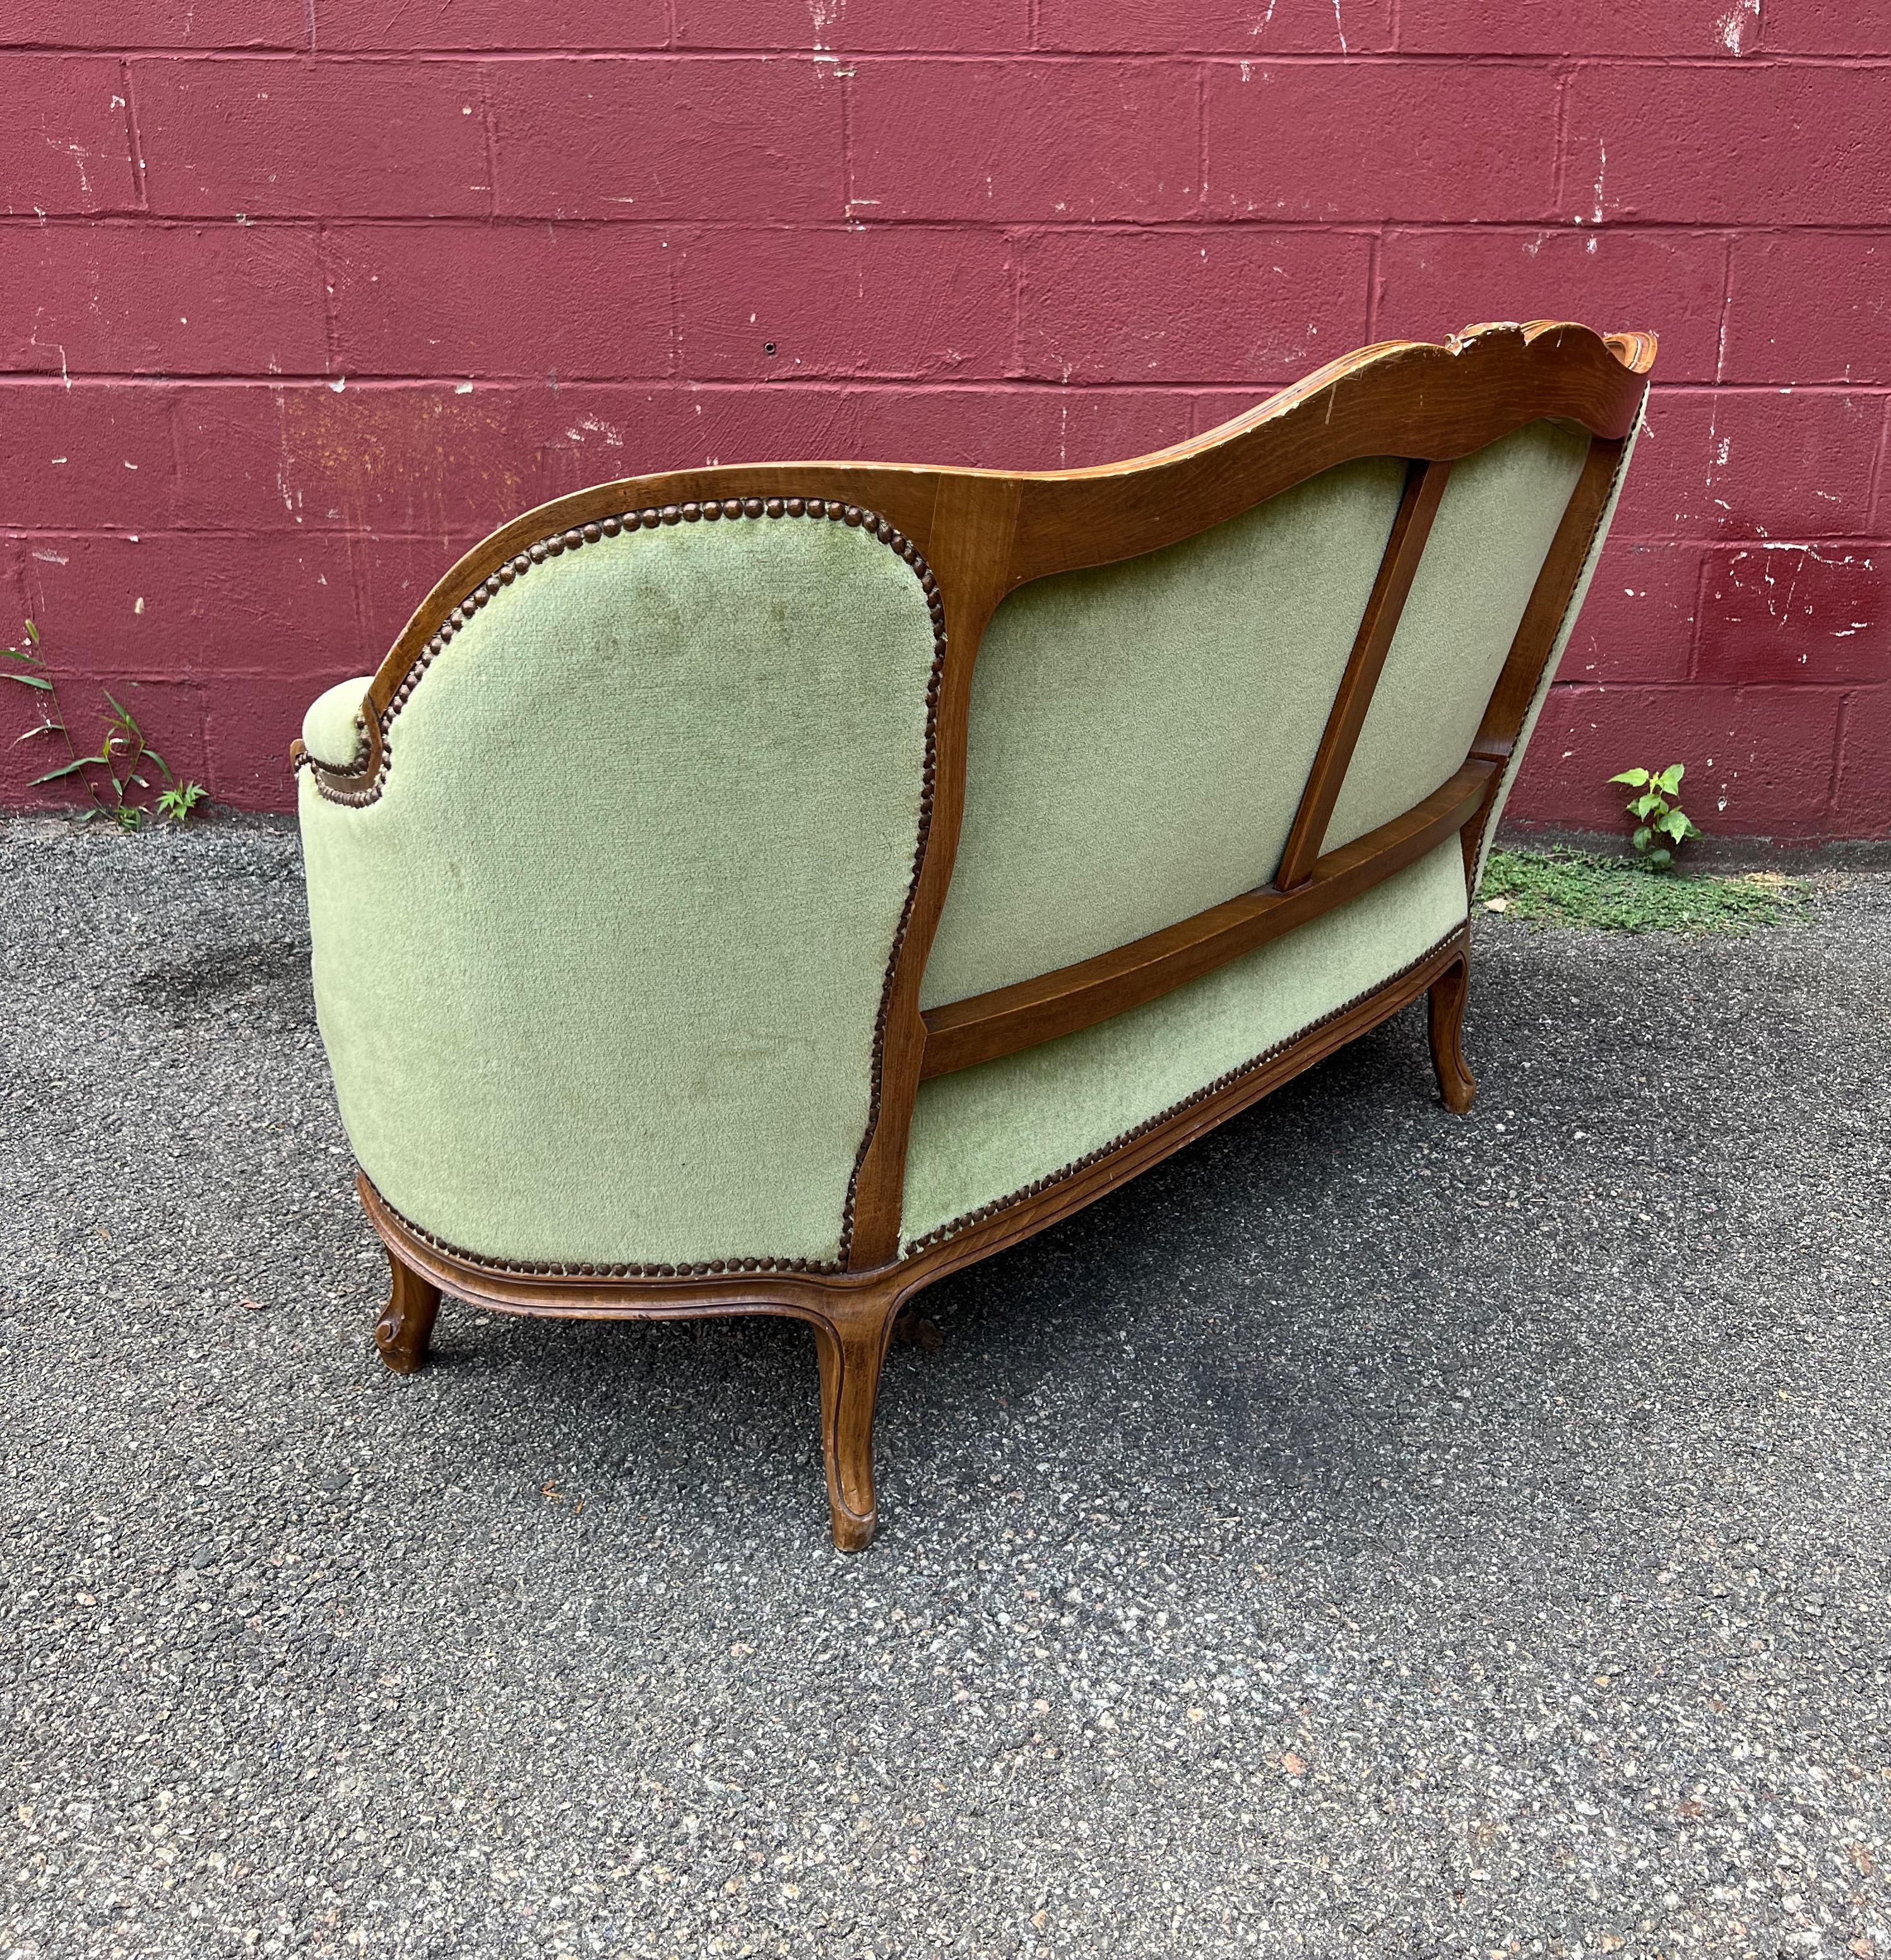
1140,733
982,1135
600,969
1494,528
975,537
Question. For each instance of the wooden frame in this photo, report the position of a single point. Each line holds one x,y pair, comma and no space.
973,536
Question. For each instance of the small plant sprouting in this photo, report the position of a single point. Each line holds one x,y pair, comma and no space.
123,753
1662,826
175,804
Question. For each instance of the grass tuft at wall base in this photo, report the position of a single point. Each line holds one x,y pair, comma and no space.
1610,895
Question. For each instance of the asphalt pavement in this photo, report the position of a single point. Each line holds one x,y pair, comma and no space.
1372,1532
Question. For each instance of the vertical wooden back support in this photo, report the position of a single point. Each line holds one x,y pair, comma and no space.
1410,529
1542,621
970,538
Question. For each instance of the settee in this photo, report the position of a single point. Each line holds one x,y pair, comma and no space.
768,888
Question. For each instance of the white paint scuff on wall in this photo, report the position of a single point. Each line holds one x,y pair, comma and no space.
1732,27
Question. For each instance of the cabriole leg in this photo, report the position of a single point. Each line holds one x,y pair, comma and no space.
852,1344
1456,1085
406,1322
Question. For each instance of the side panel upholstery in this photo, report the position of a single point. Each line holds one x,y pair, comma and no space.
1140,733
599,972
1548,674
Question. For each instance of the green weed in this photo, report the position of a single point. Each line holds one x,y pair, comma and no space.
1661,826
123,756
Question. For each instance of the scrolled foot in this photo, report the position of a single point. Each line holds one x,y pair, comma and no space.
1457,1086
849,1531
406,1325
851,1346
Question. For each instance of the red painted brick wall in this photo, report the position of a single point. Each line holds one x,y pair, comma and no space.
301,296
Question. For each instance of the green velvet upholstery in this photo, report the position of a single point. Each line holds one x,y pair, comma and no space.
331,729
1140,737
598,973
1140,733
986,1132
1500,510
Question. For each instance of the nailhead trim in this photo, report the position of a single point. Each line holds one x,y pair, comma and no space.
649,518
857,518
953,1227
356,766
572,1269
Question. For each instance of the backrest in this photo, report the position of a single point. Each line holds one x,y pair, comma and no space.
1141,733
601,950
1496,522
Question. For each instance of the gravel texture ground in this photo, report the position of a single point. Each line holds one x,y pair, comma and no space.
1371,1533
